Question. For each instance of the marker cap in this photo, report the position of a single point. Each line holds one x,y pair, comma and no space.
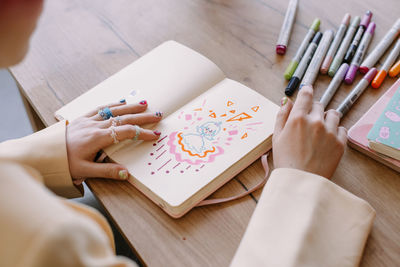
363,69
315,25
355,22
281,49
395,70
292,86
346,19
370,75
290,70
351,74
366,19
376,83
317,38
371,28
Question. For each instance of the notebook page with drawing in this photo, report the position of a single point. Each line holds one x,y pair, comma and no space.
212,127
200,142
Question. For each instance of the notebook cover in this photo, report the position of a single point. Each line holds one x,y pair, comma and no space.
357,134
386,129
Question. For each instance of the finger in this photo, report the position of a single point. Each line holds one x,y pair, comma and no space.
303,103
95,111
125,132
104,170
342,135
332,120
133,119
283,114
317,111
125,109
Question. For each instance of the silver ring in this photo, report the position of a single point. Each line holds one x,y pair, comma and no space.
138,130
117,121
114,135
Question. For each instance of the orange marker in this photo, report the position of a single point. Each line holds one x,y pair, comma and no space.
381,75
395,70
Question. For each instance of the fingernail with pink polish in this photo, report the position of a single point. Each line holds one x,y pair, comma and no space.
143,102
157,132
284,100
123,174
159,114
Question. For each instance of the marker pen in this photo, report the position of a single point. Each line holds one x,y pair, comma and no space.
395,70
300,52
287,26
337,60
345,106
335,44
313,68
334,85
380,49
298,74
356,40
360,53
376,83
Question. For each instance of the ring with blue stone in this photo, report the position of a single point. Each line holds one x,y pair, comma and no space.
105,113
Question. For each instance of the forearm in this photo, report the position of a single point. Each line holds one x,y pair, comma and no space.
303,219
46,152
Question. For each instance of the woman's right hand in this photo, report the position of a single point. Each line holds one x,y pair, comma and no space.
306,138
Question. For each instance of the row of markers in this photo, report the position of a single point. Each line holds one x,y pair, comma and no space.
340,56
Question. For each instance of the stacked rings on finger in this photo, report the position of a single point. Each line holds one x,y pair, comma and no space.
105,113
117,121
137,129
114,135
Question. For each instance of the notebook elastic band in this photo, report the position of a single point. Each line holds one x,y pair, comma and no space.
264,161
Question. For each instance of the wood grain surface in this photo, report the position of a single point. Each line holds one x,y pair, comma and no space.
79,43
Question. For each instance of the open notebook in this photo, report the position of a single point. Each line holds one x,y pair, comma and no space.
212,128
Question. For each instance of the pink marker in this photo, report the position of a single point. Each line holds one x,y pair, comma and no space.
360,53
287,26
335,44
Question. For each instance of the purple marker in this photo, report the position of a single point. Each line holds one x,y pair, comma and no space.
356,40
361,51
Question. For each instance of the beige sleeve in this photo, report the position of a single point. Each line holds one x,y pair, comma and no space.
38,229
46,152
304,219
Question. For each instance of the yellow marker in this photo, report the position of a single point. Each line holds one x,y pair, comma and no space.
395,70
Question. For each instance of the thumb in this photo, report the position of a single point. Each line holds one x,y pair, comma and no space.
105,170
283,114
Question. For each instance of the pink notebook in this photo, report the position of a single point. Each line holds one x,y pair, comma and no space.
358,133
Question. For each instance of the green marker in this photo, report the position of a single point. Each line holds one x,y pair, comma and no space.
300,52
337,60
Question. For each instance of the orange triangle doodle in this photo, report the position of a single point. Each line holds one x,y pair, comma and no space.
230,103
213,115
240,117
223,115
232,111
255,108
198,109
244,136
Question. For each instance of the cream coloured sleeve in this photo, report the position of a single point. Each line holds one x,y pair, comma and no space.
46,152
39,229
304,219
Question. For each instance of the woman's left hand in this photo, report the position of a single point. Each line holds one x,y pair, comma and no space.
87,135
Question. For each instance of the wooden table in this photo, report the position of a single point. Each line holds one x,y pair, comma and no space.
79,43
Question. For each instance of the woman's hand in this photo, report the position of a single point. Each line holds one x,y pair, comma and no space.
87,135
306,138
